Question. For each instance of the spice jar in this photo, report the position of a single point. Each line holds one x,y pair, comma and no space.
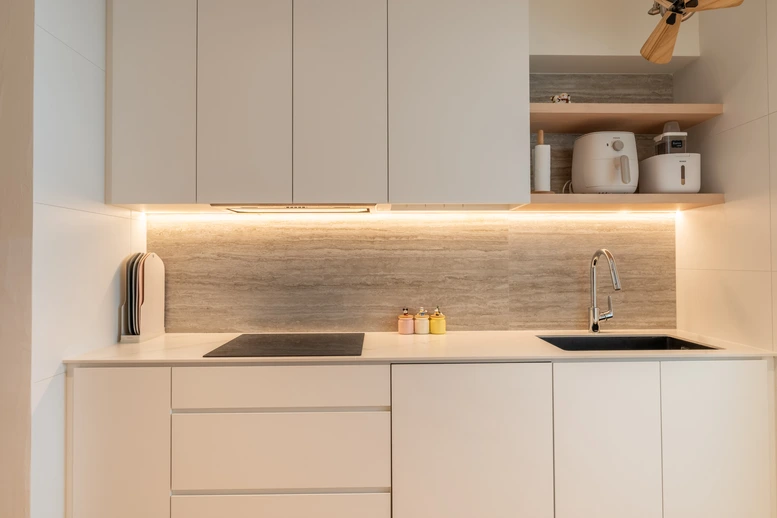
437,322
406,325
422,322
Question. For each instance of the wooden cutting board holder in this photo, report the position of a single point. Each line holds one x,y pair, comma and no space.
152,308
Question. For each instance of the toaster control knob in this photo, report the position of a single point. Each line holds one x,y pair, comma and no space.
617,145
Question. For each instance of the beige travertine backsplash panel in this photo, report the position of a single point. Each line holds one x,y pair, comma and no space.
282,273
603,88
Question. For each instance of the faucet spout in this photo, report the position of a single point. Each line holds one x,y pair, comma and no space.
616,283
594,316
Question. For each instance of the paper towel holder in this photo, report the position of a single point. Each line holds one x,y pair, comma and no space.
541,155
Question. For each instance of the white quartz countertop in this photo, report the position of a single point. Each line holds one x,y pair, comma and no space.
458,346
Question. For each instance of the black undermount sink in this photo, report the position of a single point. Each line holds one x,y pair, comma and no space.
621,343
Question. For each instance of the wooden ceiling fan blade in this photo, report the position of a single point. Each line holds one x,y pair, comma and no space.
693,6
659,47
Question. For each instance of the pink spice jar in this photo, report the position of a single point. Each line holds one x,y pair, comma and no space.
406,325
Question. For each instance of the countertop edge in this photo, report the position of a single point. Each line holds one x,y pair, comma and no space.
390,348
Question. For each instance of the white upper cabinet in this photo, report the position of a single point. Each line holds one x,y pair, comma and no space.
340,96
244,101
458,101
717,451
151,133
607,420
318,101
472,440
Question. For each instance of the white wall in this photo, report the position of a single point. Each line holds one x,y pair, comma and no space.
726,255
79,243
586,37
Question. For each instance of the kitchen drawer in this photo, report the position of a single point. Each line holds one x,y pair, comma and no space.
281,451
328,386
368,505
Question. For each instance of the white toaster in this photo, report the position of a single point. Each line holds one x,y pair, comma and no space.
605,162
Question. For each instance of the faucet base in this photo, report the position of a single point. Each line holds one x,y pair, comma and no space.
593,320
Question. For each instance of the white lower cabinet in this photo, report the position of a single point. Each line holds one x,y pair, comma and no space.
717,460
596,439
607,424
215,452
281,387
368,505
678,439
121,442
472,440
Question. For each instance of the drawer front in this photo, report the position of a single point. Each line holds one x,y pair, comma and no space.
281,451
328,386
369,505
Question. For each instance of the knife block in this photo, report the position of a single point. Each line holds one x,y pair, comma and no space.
151,292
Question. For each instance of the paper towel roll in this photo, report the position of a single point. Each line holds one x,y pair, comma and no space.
542,167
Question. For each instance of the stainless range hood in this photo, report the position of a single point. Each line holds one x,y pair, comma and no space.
296,208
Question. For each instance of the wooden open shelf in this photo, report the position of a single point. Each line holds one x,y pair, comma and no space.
619,202
637,118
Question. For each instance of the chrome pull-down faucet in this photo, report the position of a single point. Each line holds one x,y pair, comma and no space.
594,317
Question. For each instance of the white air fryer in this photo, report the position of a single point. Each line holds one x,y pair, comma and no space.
605,162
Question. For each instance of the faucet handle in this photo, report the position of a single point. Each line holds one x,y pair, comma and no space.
610,313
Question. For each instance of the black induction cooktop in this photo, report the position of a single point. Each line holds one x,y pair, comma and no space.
279,345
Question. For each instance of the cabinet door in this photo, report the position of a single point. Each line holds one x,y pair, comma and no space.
244,112
607,422
458,101
340,101
297,451
152,102
358,505
716,439
282,386
472,440
121,442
